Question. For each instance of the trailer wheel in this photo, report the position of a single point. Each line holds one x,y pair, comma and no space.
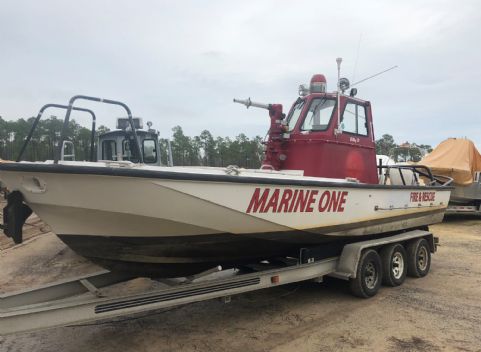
368,275
394,264
419,258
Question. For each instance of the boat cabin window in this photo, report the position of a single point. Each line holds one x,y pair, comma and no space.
68,151
129,151
295,113
109,150
353,119
318,115
149,149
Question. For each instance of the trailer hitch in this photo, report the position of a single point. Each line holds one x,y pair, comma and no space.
15,213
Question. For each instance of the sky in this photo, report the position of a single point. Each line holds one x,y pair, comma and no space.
182,62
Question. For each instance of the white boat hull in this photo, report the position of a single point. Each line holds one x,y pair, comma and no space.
174,217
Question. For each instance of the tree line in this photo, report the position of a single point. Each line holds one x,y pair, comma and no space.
207,150
201,150
401,152
44,139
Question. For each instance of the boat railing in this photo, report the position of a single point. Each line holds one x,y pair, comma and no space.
71,107
409,175
447,181
63,134
59,106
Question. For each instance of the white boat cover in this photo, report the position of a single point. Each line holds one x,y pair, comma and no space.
455,157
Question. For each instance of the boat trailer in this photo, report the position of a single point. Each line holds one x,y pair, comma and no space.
463,209
83,299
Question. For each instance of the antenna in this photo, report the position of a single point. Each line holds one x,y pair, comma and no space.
357,57
338,61
375,75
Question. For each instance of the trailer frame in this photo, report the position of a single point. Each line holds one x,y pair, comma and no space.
459,209
81,299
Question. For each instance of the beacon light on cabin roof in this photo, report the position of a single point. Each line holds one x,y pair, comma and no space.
317,85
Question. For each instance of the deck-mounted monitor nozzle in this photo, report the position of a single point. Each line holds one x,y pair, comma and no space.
248,102
274,153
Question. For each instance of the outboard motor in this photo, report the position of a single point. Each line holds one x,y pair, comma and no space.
14,216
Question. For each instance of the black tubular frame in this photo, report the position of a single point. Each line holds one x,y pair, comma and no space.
59,106
99,100
418,170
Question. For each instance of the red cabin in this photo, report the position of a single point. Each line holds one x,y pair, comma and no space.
310,138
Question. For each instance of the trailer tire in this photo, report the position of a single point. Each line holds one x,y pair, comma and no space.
419,258
394,264
368,275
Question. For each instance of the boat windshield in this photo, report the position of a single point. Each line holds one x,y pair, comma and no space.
150,151
295,113
318,115
109,150
128,151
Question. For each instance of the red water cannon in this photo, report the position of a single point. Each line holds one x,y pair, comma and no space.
274,155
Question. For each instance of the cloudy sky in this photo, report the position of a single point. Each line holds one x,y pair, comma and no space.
182,62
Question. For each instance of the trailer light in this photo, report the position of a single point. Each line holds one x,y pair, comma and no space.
275,279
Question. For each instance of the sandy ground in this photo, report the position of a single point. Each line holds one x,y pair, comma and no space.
441,312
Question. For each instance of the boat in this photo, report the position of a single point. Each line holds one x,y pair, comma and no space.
459,159
319,185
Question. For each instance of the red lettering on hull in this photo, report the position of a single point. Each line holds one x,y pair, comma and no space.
417,197
258,203
286,200
286,197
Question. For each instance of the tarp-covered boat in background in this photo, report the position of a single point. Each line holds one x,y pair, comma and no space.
459,159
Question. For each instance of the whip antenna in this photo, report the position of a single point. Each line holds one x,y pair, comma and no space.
357,57
375,75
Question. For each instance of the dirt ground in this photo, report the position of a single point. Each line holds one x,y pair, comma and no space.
441,312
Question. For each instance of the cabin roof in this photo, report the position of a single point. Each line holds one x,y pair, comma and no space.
117,133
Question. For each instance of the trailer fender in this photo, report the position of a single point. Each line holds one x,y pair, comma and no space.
351,253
